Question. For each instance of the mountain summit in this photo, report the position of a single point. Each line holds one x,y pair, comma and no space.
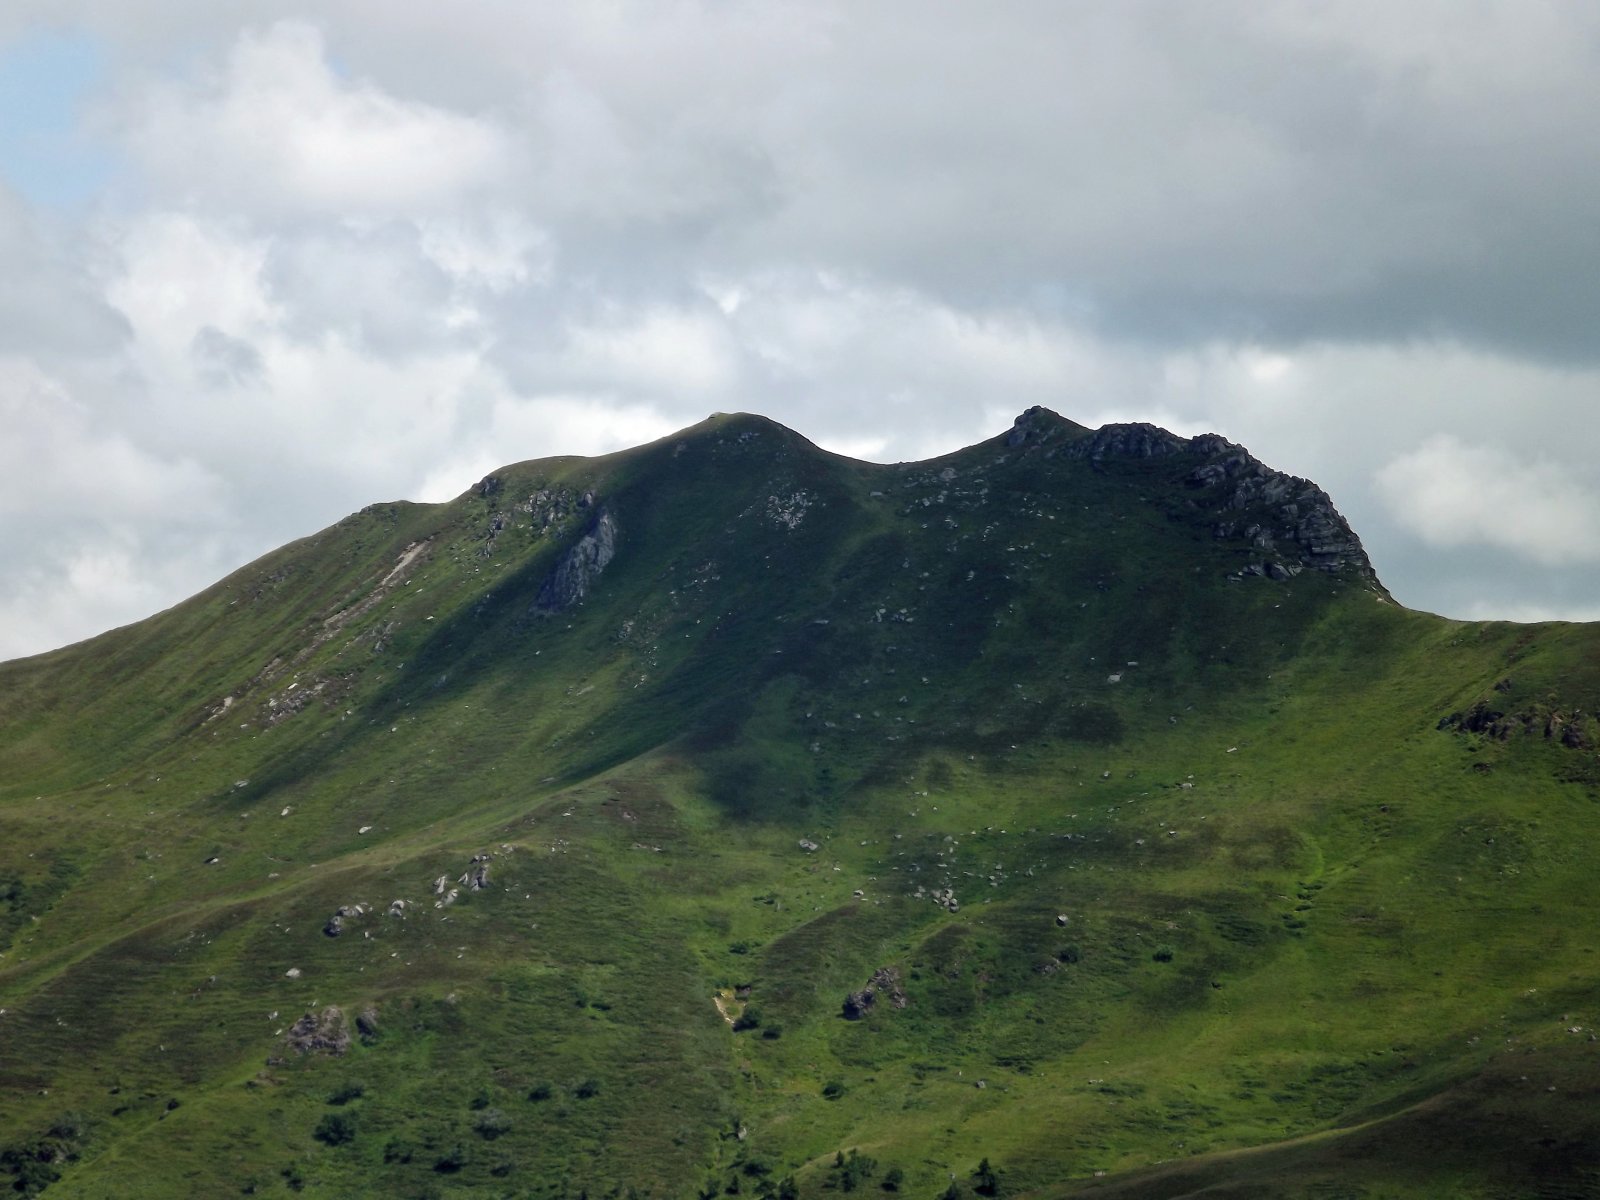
1071,814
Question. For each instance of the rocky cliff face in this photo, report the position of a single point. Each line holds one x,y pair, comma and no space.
1290,523
1290,520
580,566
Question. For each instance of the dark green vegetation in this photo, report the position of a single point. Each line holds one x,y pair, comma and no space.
1023,822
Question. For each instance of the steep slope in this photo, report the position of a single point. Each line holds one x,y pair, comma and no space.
1077,801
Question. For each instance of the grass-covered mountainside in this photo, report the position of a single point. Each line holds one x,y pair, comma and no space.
1074,815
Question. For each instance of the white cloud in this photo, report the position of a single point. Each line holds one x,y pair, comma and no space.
382,252
672,351
278,131
95,473
50,301
1453,494
498,251
538,427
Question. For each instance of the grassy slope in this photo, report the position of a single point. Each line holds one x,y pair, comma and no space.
1353,935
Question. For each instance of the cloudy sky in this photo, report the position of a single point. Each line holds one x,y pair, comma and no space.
261,265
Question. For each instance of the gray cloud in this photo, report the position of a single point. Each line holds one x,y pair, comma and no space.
50,303
224,361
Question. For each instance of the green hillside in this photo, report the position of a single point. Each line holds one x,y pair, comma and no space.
1073,815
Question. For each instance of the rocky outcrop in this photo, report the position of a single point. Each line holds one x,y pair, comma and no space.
1565,728
1289,524
320,1033
1040,427
859,1004
345,912
575,574
1137,440
885,982
476,877
1291,520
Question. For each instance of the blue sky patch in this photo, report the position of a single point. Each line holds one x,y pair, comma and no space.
44,153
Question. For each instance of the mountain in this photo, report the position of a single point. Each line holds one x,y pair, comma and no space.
1075,814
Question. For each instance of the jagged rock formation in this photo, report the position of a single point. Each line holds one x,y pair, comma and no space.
1282,515
580,566
1290,522
1136,440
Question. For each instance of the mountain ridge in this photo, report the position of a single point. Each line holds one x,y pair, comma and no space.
628,776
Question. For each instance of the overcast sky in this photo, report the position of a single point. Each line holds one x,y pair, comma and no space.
261,265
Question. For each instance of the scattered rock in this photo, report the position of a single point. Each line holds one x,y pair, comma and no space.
293,973
808,845
1062,919
335,925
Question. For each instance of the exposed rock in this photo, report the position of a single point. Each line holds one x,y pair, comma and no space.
787,511
1567,729
497,525
885,981
476,877
858,1004
580,566
1038,426
1282,509
367,1023
1137,440
324,1033
335,925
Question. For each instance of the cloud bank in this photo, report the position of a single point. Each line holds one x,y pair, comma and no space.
380,252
